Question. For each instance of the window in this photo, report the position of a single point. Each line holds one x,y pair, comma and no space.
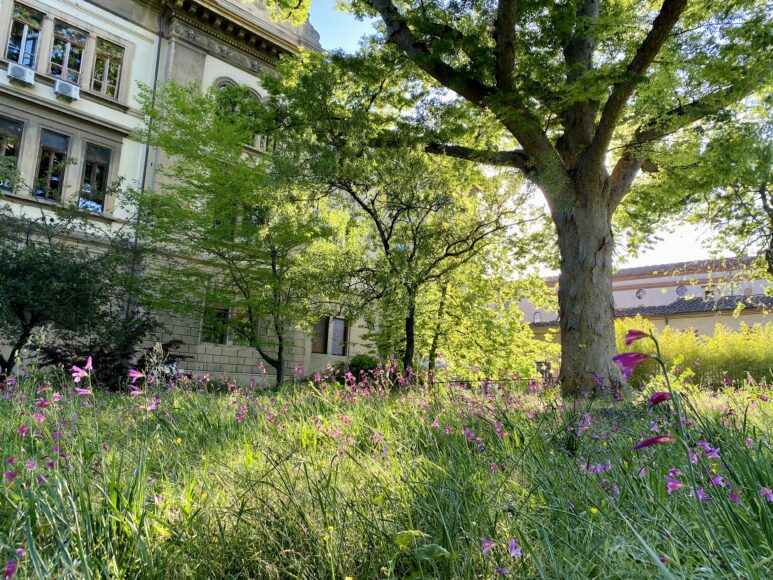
340,337
107,68
25,35
537,317
94,184
10,137
319,338
710,293
51,165
214,325
681,290
67,53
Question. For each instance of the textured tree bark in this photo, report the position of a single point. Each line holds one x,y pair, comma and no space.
436,335
586,304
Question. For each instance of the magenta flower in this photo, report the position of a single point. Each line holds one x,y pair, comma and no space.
78,373
486,545
673,485
82,392
515,550
702,495
89,367
135,374
734,497
634,335
767,494
659,397
31,465
658,440
10,569
22,431
501,571
11,475
20,552
627,361
135,393
153,406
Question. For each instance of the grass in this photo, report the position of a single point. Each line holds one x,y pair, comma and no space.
378,481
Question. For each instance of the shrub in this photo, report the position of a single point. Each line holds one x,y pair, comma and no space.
726,357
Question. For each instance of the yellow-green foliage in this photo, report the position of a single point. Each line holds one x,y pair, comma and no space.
727,355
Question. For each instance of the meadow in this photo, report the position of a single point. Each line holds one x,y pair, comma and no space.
381,477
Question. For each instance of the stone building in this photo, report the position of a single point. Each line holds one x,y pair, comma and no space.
696,295
71,72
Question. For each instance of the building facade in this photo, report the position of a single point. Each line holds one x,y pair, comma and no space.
696,295
71,74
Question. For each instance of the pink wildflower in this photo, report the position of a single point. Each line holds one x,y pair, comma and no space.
486,545
767,494
515,550
673,485
135,374
22,431
78,373
658,440
89,367
634,335
82,392
10,569
659,397
627,361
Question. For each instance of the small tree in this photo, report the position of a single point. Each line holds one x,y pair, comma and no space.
226,233
47,279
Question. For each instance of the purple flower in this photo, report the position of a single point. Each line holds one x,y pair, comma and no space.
702,495
515,550
718,481
82,392
674,472
748,442
766,494
11,475
78,373
10,569
501,571
135,374
31,465
734,497
659,397
634,335
486,545
627,361
89,367
20,552
658,440
673,485
22,431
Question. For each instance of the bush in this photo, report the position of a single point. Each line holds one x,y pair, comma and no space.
726,357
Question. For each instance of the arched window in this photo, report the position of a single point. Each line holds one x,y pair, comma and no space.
538,317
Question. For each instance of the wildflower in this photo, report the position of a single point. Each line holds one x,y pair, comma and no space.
493,467
734,497
31,465
135,393
78,373
634,335
39,418
135,374
693,458
22,431
702,495
153,406
11,475
10,569
748,442
10,460
673,485
178,441
766,494
469,434
501,571
627,361
20,552
658,440
718,481
240,417
82,392
515,550
659,397
486,545
593,511
584,425
57,397
674,472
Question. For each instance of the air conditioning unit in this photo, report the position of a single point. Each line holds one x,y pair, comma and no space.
67,90
22,74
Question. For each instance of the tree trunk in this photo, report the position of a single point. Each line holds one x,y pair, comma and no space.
7,364
438,327
586,304
410,332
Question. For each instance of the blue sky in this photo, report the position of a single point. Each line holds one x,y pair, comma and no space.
339,30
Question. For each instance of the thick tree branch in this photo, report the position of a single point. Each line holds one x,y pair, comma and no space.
622,91
516,158
400,34
630,162
504,44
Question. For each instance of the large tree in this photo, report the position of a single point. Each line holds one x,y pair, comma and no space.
573,94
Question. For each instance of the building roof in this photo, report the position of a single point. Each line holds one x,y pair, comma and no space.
680,268
688,306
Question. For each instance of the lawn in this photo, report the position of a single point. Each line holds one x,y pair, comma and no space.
378,480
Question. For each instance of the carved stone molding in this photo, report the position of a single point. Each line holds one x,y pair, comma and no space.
230,50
